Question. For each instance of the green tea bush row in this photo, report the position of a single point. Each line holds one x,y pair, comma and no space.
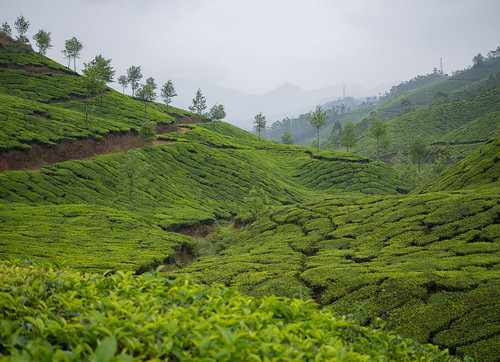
54,314
399,258
86,237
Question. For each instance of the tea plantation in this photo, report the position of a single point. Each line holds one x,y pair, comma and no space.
330,251
57,314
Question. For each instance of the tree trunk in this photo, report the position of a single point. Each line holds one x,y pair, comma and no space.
87,110
317,138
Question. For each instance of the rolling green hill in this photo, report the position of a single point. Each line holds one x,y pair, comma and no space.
459,124
456,86
202,177
443,124
480,170
428,263
269,220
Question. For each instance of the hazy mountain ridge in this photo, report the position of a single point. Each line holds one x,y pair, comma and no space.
287,100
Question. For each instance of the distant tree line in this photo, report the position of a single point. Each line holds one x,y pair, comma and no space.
300,128
97,73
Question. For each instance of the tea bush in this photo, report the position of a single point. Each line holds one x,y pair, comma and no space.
56,314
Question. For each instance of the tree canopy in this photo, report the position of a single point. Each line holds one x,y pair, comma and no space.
6,29
22,26
317,119
217,112
72,49
134,75
43,41
168,92
259,123
105,71
417,151
199,105
93,83
146,93
287,137
378,130
123,81
348,138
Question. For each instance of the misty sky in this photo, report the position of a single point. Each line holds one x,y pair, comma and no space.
256,45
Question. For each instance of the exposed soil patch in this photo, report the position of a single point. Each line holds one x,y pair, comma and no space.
82,149
41,155
197,230
162,128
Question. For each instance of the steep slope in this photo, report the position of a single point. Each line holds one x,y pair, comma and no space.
43,106
435,122
199,177
479,170
455,86
426,263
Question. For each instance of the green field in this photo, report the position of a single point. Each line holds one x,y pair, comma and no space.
270,251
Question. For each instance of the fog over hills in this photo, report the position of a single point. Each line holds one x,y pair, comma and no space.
285,101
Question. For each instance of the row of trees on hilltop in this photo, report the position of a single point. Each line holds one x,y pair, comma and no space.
99,72
43,40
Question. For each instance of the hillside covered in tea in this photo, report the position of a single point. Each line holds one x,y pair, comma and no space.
324,246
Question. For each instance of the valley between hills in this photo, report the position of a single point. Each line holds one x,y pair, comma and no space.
213,243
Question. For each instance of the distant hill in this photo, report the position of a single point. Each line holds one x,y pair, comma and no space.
287,100
463,85
434,123
481,169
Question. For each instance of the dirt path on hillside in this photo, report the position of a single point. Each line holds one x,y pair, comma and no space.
83,149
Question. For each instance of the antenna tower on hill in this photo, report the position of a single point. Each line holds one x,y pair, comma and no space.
441,66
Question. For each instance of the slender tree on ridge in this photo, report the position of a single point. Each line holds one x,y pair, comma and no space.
378,130
123,81
105,70
43,41
217,113
22,26
72,49
417,151
317,119
199,105
6,29
146,93
92,83
348,138
168,92
134,75
259,123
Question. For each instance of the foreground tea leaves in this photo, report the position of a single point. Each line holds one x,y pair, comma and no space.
48,314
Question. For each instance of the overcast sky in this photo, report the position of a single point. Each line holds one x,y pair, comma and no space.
256,45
